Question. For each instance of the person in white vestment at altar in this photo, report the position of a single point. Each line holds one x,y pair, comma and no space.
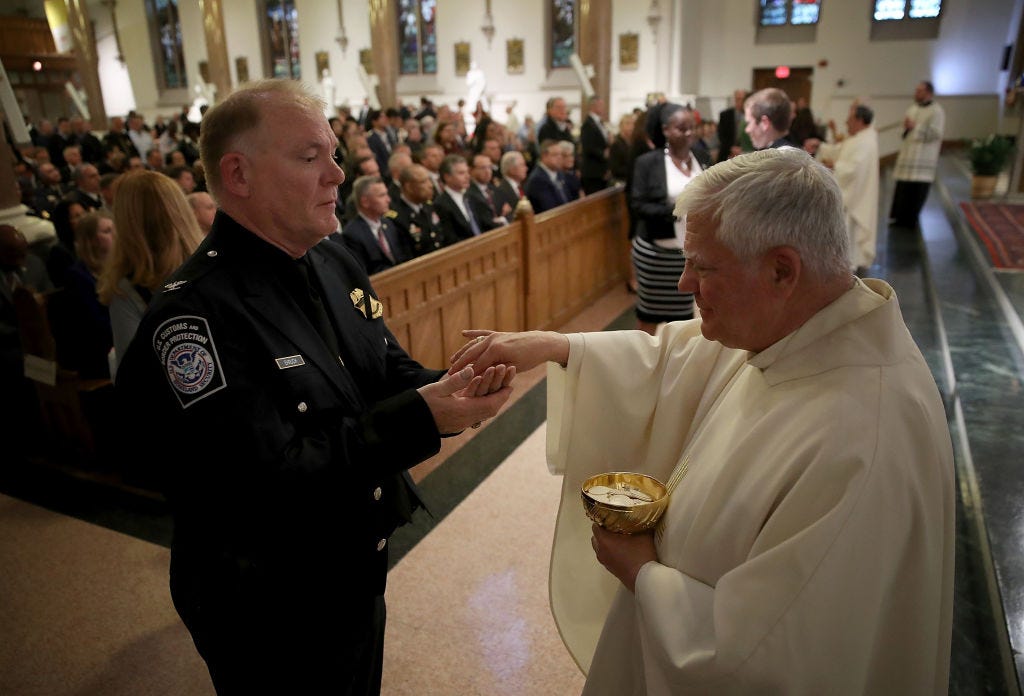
855,162
808,548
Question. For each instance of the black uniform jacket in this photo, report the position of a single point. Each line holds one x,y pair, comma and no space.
284,463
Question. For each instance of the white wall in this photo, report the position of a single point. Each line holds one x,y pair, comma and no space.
702,49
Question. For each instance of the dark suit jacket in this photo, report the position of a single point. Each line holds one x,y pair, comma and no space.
648,196
549,130
506,193
380,152
543,193
422,232
364,245
283,462
726,132
453,221
83,199
593,153
481,208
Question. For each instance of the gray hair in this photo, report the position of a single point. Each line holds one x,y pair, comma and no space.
509,159
770,198
363,184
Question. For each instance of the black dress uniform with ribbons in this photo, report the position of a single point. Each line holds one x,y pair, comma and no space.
282,416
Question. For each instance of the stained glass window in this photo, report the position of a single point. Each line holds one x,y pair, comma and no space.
805,12
924,8
563,32
282,38
165,26
777,13
904,9
773,13
417,37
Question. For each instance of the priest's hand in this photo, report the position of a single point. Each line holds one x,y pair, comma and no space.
623,554
523,351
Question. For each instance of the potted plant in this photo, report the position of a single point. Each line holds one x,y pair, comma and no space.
988,157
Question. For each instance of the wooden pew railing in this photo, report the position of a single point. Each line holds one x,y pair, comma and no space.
535,273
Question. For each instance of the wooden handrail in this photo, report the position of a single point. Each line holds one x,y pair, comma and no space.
537,272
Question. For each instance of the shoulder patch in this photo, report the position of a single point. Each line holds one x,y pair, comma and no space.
184,346
174,285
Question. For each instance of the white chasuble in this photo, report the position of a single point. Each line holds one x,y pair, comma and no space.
808,550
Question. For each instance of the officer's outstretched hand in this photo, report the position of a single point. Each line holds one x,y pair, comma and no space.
464,399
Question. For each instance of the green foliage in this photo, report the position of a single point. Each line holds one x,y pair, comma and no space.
989,155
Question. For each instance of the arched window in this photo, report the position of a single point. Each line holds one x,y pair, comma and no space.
562,33
900,20
281,39
777,13
165,32
417,37
888,10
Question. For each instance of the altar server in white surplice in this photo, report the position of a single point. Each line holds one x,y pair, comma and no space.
856,168
809,548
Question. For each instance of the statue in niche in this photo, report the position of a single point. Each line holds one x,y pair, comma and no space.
476,85
327,91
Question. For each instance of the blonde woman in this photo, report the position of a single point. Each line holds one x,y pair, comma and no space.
156,232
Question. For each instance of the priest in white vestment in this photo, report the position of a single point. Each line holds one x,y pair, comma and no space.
809,547
856,167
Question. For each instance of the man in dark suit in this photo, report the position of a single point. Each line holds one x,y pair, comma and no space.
457,217
768,113
556,124
92,148
87,187
419,225
377,139
546,187
731,134
513,176
61,138
49,191
370,235
397,162
283,415
480,196
117,137
594,144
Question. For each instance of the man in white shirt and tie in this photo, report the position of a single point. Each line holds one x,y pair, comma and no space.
371,236
480,196
513,176
456,217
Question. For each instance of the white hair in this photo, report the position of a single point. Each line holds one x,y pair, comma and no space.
779,197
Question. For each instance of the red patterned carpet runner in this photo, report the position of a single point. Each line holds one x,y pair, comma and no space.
1000,227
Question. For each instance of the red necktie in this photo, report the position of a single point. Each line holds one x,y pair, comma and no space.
383,242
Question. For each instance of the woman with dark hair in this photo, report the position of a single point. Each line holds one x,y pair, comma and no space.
81,324
658,178
65,217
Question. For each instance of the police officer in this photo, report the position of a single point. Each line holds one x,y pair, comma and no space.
415,217
283,415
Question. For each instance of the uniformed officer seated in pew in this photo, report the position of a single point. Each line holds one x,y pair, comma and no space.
282,415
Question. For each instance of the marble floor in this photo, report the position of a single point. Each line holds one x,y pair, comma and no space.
82,566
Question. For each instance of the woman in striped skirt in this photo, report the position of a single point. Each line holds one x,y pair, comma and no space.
658,178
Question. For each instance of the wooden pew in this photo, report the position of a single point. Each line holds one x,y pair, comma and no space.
535,273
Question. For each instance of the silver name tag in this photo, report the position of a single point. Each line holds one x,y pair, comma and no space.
290,361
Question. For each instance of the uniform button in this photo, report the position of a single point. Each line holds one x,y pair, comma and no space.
381,544
211,253
302,407
377,493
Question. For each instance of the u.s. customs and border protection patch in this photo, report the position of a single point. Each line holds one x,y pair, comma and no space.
184,346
